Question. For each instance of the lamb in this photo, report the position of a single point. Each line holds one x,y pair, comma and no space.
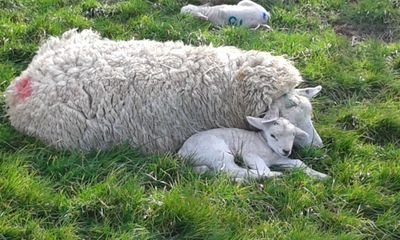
246,13
82,92
296,107
215,150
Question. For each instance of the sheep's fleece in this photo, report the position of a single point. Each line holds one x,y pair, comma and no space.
83,92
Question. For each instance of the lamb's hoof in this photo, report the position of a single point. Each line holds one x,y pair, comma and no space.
262,26
239,179
321,177
201,169
273,174
269,174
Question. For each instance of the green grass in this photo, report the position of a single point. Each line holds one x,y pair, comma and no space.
351,48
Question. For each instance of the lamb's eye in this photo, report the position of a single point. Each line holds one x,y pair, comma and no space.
273,136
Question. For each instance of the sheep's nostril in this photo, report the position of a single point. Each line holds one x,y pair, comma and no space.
286,152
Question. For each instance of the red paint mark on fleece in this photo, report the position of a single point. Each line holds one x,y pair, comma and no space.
23,88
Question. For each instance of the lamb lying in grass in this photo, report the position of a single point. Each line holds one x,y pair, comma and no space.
246,13
216,149
83,92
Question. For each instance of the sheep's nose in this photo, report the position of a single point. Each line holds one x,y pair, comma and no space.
286,152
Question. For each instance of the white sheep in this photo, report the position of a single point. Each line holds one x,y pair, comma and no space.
246,13
216,149
86,93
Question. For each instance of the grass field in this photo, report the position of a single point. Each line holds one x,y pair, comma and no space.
351,48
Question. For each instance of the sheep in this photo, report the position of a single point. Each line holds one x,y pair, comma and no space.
216,149
246,13
296,107
82,92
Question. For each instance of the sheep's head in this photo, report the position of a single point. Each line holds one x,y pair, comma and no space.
278,132
296,107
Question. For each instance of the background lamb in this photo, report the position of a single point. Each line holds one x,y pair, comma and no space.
84,92
246,13
216,149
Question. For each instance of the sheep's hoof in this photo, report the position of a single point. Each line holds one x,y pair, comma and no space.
321,177
273,174
269,174
239,179
263,26
201,169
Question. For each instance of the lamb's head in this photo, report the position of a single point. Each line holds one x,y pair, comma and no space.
278,132
296,107
189,9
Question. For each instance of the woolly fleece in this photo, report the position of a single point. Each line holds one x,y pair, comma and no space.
89,93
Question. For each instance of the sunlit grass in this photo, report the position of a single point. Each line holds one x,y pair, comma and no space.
351,48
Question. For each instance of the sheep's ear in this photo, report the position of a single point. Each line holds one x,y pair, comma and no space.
300,133
272,114
309,92
256,122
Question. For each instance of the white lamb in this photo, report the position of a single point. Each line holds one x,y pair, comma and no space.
86,93
216,149
296,107
246,13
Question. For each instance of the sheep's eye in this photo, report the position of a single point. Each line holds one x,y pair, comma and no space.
273,136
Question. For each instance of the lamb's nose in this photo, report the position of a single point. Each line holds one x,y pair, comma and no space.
286,152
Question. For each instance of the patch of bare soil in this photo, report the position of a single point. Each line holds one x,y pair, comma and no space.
358,33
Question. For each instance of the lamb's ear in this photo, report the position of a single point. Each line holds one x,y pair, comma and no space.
272,114
255,122
309,92
200,16
300,133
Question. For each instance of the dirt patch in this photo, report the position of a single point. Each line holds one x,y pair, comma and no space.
359,33
386,131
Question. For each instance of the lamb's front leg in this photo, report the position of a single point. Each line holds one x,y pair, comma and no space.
223,161
255,162
296,163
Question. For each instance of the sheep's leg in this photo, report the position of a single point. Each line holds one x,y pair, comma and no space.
201,169
222,161
264,26
296,163
237,172
200,16
255,162
227,164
